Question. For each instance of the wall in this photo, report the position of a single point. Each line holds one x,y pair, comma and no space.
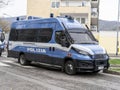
40,8
107,39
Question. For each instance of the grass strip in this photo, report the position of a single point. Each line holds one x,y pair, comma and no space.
114,61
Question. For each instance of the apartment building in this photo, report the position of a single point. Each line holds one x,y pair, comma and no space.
85,11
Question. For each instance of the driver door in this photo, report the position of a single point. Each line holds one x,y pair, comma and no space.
59,49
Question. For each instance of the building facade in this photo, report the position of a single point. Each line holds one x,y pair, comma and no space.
85,11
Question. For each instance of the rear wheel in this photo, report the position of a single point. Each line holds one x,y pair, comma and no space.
22,60
70,68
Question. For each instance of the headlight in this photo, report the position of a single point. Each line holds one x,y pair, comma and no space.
82,52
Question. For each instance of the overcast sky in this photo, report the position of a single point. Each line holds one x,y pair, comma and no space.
15,8
108,9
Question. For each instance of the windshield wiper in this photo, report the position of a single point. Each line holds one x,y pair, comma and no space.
88,43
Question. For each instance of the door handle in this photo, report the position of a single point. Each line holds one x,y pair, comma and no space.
51,48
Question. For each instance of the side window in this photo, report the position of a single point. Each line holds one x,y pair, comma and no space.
28,35
13,35
44,35
61,38
32,35
58,37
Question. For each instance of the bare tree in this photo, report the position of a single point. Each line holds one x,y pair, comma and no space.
4,3
5,25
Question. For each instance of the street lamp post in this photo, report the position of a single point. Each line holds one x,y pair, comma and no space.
117,40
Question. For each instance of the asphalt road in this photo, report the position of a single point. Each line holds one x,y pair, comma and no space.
36,77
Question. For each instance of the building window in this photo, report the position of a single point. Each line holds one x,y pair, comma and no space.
93,27
84,3
55,4
83,21
78,19
67,3
94,11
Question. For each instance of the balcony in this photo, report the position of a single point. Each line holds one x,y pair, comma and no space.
74,9
75,3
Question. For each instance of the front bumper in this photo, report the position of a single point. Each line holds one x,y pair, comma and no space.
91,65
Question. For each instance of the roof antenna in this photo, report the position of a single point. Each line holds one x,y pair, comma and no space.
51,15
17,18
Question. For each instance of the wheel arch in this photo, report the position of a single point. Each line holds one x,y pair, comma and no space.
69,59
21,53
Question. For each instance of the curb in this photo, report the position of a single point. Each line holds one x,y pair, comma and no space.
111,72
117,65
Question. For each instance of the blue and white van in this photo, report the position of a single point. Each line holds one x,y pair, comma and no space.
61,42
2,41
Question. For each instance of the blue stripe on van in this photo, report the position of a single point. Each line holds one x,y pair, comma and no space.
45,51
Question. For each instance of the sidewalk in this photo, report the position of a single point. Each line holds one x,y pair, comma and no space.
113,56
114,68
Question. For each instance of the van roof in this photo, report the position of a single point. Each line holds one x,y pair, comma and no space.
68,23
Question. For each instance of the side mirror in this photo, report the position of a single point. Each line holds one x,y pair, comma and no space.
64,41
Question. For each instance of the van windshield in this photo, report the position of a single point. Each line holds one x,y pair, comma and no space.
82,38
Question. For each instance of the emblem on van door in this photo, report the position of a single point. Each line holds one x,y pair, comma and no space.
37,50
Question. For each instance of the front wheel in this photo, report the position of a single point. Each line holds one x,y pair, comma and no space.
70,68
22,60
95,72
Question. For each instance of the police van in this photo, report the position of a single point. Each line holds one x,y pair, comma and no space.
61,42
2,41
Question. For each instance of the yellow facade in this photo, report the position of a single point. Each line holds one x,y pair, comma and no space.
40,8
108,39
43,8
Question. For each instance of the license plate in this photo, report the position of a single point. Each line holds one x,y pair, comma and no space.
100,67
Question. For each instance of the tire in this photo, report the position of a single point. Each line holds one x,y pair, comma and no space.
70,68
22,60
96,72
